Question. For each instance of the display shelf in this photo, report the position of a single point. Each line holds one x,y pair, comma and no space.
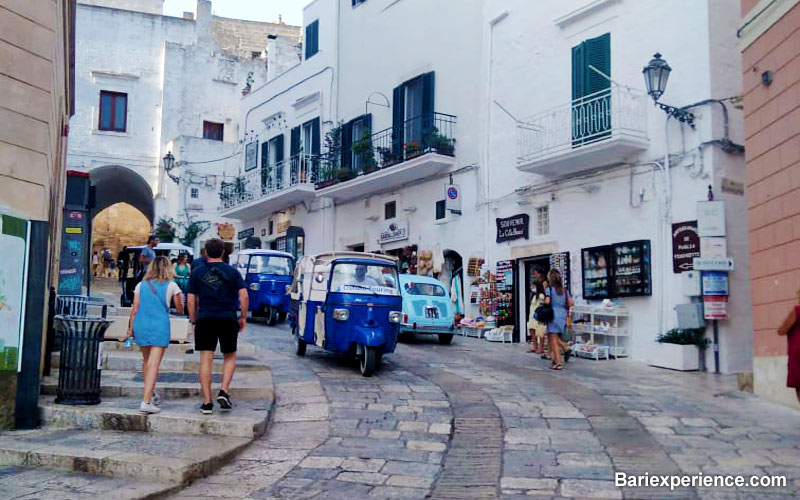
612,325
591,351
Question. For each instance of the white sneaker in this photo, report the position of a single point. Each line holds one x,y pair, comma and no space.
149,408
156,399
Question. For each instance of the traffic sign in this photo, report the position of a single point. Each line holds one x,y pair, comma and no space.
705,264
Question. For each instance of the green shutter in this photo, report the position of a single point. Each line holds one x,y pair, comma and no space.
312,39
315,137
279,149
578,78
264,154
598,54
347,145
398,128
294,143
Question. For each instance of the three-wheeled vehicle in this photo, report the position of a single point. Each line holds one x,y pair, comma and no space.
131,274
267,274
426,307
347,302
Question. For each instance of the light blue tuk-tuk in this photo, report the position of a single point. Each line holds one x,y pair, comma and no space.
349,303
266,273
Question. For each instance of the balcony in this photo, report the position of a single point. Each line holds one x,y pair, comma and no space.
267,189
598,130
422,147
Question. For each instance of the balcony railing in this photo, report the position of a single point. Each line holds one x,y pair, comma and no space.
262,182
610,113
431,133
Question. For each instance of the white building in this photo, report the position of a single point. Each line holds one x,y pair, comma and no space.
485,97
149,84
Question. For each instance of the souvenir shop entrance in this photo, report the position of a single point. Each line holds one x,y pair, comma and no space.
523,286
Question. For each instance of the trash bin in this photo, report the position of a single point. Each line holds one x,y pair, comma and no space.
81,359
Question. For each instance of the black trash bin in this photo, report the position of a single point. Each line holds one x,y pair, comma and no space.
81,359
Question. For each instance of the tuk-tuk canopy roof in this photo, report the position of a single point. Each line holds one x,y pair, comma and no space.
328,258
413,278
258,251
166,247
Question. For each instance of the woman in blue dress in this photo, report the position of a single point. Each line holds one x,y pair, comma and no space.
558,297
149,323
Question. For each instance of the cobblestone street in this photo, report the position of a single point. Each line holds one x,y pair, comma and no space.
482,420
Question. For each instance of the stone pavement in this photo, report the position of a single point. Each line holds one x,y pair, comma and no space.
482,420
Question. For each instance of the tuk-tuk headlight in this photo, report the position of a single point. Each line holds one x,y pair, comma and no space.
341,314
395,317
255,287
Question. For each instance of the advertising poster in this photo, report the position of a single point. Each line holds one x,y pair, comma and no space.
685,246
715,307
505,274
13,244
715,283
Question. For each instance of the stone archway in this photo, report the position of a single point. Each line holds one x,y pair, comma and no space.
116,184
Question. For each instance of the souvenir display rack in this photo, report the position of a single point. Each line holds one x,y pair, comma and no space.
605,326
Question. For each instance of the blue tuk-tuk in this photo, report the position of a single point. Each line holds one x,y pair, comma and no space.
349,303
267,274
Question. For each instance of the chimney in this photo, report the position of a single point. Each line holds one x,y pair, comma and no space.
272,57
188,15
203,25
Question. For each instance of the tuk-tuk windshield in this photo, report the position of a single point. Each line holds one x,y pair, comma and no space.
424,289
364,278
270,264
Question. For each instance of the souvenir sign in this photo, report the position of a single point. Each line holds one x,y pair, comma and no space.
512,228
685,246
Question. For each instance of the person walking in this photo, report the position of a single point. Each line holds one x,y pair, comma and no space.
148,252
212,295
182,272
149,324
122,263
557,296
536,329
106,254
95,263
790,327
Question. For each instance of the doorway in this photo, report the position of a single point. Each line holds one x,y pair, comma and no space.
525,270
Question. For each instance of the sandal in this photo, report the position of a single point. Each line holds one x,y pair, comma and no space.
567,355
556,367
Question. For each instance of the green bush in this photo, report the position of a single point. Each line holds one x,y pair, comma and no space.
691,336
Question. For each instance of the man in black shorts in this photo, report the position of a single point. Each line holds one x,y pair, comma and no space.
212,295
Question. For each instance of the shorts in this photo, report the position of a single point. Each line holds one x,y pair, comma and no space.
208,330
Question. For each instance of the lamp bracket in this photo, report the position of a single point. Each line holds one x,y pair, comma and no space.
678,113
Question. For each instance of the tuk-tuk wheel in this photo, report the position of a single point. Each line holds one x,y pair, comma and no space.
270,315
299,344
368,361
445,338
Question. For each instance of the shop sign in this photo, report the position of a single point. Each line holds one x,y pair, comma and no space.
715,283
715,307
243,235
711,218
226,231
283,226
452,198
713,248
704,264
395,231
505,274
512,228
685,246
250,156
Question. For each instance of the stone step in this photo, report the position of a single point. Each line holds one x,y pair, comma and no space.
172,362
242,349
163,458
175,385
248,418
38,483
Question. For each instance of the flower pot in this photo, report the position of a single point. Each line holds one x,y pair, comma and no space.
675,357
326,183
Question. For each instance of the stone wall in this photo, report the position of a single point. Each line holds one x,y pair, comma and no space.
147,6
243,38
117,226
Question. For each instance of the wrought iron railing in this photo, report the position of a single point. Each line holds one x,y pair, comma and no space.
596,117
267,180
430,133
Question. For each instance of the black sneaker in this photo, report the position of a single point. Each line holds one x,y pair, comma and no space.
207,408
224,400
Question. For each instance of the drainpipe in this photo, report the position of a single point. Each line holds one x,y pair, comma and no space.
487,154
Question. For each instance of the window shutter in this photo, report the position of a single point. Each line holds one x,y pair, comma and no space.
578,75
264,154
312,39
294,143
398,111
368,123
428,88
347,144
315,144
597,53
279,149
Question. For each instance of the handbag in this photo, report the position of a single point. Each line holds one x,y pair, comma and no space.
544,313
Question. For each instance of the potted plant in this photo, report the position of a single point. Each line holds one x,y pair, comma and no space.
365,153
413,149
345,174
682,350
388,158
439,142
326,178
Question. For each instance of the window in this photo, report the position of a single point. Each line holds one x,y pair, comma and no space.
271,227
412,112
591,91
312,39
270,264
543,220
113,111
358,2
424,289
195,193
441,213
390,210
255,54
212,131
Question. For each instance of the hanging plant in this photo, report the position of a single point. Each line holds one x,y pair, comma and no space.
166,230
192,231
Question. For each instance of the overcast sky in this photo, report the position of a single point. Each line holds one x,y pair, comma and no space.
253,10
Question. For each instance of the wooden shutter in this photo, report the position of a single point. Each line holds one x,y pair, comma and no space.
312,39
294,142
278,149
398,129
315,139
428,91
597,53
578,66
264,154
347,145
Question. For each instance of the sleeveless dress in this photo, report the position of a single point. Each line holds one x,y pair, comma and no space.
793,350
538,328
182,276
151,325
559,303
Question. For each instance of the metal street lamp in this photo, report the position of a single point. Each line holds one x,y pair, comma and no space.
169,164
656,75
